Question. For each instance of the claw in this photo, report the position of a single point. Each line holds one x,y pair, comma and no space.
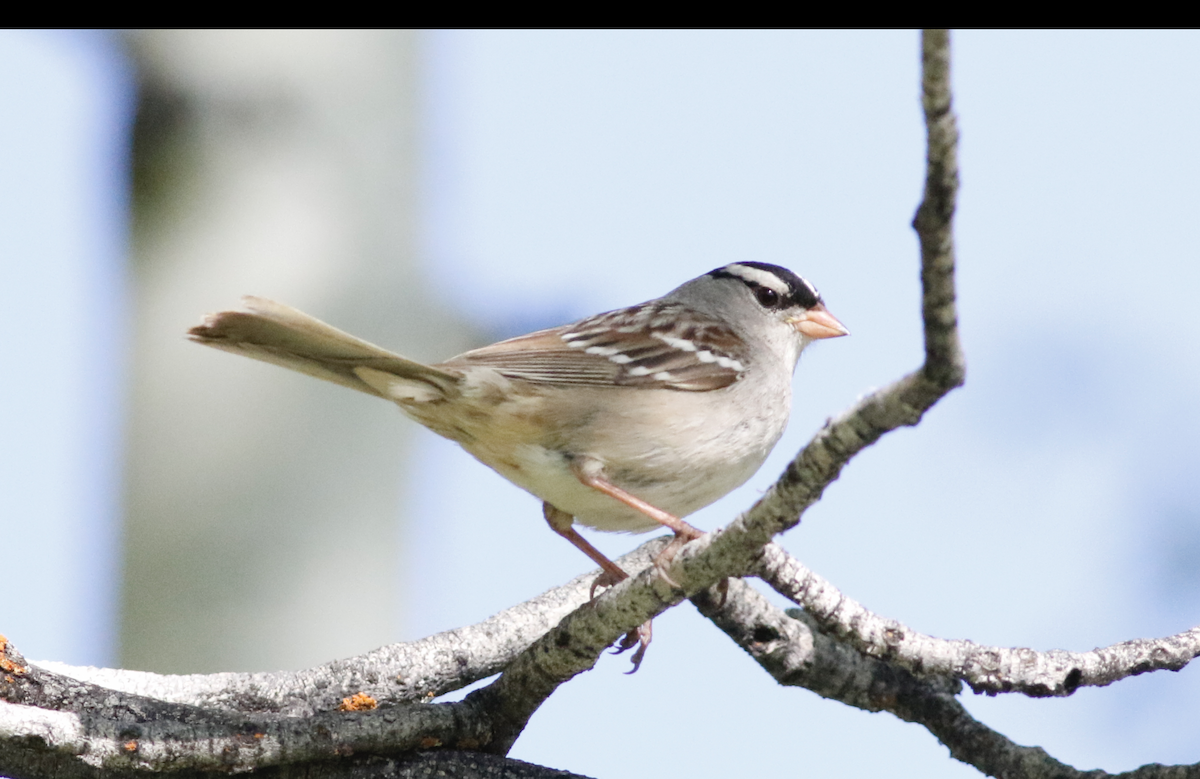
664,558
723,592
590,473
640,637
606,579
661,569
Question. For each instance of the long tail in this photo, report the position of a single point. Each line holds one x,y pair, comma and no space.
275,333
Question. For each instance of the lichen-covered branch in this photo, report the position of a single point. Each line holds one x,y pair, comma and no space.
398,673
71,726
61,720
987,669
795,652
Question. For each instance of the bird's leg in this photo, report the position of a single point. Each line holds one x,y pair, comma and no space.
563,523
591,473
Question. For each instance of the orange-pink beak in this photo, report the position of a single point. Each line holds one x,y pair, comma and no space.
817,322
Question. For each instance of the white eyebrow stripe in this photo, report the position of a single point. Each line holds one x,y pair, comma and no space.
761,277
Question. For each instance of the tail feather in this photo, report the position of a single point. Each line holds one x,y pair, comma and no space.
275,333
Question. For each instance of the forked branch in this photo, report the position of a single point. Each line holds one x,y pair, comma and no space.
795,651
987,669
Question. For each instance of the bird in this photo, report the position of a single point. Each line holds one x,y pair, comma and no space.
624,421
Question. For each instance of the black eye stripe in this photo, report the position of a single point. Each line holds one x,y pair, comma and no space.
799,292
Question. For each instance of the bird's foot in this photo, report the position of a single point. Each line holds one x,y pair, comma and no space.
664,558
607,578
639,637
722,592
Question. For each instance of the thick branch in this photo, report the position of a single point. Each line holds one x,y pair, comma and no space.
63,725
795,652
399,673
987,669
55,725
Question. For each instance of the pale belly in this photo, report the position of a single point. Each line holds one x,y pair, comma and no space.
666,448
668,471
547,475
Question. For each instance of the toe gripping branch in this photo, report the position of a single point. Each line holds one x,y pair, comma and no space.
590,473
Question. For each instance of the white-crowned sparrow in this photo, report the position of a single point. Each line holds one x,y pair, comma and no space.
623,421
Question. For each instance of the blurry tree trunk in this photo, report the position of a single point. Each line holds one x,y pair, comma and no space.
263,526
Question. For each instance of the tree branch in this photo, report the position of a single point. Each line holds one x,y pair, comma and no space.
66,724
410,672
987,669
55,725
794,651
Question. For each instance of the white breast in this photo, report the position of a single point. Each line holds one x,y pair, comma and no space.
667,449
678,451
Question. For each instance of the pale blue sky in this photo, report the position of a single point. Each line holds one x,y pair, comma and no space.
1052,502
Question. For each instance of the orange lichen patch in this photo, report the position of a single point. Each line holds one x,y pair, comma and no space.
6,665
129,746
429,742
359,701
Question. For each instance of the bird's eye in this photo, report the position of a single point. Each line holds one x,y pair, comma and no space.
767,297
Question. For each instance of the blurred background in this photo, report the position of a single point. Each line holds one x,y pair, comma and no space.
172,508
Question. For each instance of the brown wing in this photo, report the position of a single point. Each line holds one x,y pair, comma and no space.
644,346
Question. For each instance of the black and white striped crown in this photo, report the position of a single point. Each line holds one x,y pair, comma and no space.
790,288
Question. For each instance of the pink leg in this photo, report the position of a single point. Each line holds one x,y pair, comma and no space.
562,523
590,472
